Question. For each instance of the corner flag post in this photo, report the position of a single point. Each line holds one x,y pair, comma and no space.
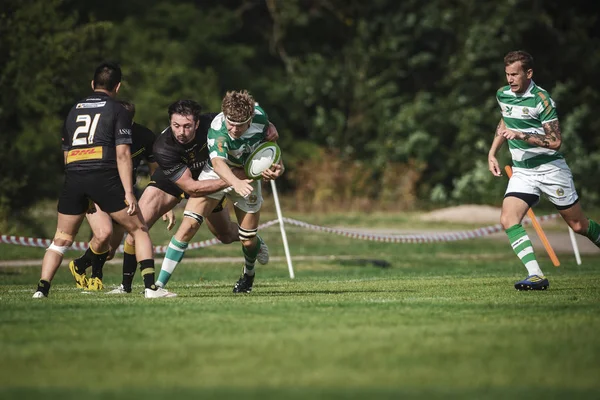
281,226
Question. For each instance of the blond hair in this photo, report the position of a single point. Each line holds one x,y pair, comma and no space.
238,106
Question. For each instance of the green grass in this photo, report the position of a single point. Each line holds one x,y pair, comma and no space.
441,321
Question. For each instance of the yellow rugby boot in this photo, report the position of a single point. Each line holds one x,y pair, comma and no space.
80,279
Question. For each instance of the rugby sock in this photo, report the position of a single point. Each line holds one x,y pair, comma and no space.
83,262
129,265
173,257
44,287
521,245
250,258
98,260
147,271
593,232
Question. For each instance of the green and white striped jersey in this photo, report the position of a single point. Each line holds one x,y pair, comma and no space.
236,151
527,112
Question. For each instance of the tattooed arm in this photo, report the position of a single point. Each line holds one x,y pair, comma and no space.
551,140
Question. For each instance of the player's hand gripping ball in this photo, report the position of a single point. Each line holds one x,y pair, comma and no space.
261,159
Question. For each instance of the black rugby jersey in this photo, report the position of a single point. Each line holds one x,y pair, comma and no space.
174,158
141,147
92,130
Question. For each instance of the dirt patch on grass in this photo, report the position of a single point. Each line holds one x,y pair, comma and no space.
467,213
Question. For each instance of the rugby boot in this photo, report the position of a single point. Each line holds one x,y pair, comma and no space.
533,282
80,279
244,284
95,284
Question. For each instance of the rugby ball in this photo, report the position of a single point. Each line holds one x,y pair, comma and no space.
261,159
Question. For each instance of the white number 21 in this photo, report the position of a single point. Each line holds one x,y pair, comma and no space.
85,134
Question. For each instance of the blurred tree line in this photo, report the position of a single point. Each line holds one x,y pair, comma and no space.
385,103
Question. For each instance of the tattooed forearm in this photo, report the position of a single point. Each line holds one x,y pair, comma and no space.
552,138
537,139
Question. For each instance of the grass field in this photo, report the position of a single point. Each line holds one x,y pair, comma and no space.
385,321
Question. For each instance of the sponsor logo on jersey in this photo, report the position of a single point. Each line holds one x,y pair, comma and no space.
560,192
91,105
508,110
92,153
125,131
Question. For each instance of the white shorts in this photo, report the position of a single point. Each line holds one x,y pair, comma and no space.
250,204
557,185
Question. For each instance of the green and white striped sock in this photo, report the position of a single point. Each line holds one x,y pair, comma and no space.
250,258
521,244
174,255
593,232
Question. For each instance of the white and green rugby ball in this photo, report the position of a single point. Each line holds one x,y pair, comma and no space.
261,159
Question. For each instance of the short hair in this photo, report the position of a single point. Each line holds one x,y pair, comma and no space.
519,55
186,107
129,106
238,106
107,76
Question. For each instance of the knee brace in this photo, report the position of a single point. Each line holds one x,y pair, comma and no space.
196,217
246,234
58,249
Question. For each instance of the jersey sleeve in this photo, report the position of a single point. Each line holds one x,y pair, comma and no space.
217,143
123,134
169,161
546,107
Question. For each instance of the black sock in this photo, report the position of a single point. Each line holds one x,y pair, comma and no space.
98,261
83,262
44,287
129,266
147,270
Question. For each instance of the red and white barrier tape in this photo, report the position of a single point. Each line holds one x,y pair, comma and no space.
418,238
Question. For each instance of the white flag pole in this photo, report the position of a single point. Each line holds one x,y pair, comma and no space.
281,226
575,247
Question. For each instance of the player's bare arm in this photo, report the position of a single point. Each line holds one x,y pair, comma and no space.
497,143
241,186
551,139
125,167
272,133
199,188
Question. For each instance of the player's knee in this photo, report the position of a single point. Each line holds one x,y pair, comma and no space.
62,239
61,243
227,238
579,227
247,236
192,221
507,221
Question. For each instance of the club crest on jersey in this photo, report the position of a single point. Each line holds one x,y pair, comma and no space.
525,111
560,192
252,199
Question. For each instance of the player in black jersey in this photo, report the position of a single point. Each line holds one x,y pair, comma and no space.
103,227
181,154
96,144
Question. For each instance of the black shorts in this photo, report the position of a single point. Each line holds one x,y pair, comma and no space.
160,181
103,187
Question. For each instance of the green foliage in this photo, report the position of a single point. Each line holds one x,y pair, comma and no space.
46,62
381,82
